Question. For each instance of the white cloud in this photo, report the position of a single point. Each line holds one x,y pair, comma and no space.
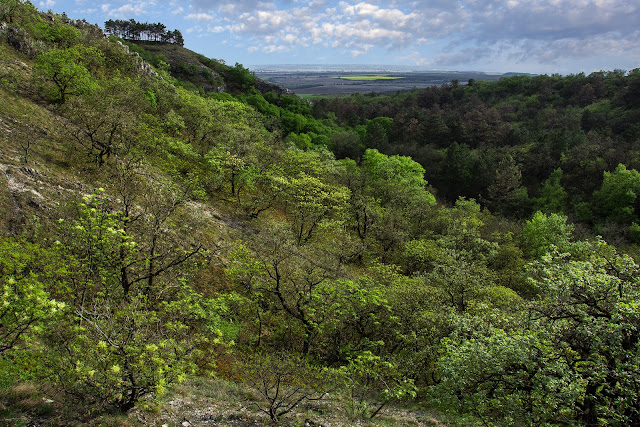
363,50
125,11
47,4
387,17
290,39
200,17
275,49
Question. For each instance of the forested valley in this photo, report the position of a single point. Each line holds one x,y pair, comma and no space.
181,242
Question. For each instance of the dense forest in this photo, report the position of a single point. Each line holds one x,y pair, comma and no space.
175,232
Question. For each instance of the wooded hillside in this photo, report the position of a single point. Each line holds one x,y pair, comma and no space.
172,230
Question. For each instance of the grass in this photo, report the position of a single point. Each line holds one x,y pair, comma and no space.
226,403
368,78
310,96
21,403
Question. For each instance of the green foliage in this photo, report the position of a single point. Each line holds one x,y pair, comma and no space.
462,282
543,233
596,303
109,121
120,341
388,198
62,35
16,10
377,133
28,274
311,204
348,264
346,145
296,288
113,352
392,178
459,163
421,321
301,141
351,316
617,198
571,355
506,193
239,78
553,198
372,383
509,377
261,104
68,70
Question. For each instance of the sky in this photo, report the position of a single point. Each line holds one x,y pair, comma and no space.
534,36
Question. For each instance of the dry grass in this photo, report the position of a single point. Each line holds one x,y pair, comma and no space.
217,402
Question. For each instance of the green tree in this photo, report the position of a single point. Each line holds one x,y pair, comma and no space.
284,278
617,199
346,144
125,335
28,276
311,204
592,309
571,355
63,35
377,133
542,233
461,282
109,121
113,352
12,9
389,199
241,145
68,70
457,237
395,179
506,194
436,131
509,377
457,167
372,383
552,198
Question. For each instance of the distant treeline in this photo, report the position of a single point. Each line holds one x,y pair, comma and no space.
133,30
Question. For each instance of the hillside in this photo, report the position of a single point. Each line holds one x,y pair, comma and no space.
199,72
183,244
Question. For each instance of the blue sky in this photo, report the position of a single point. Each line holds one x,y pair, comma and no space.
537,36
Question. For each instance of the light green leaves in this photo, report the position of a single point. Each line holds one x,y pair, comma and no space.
542,233
27,273
68,70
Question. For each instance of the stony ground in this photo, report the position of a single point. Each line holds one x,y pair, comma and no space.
200,402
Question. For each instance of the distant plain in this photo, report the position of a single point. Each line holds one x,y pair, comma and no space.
337,82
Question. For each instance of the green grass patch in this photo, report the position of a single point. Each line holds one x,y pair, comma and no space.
366,78
308,96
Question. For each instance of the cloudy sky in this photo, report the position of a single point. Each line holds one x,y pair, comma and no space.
538,36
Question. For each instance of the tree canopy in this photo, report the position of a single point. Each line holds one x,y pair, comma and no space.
142,31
